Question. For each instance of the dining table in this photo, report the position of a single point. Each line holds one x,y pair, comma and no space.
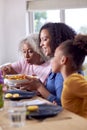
64,120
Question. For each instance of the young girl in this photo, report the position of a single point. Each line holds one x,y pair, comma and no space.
68,59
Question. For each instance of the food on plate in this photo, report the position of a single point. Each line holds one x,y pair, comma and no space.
32,76
15,77
15,95
8,95
12,80
18,76
32,108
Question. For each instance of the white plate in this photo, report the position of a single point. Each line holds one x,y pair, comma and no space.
11,82
14,81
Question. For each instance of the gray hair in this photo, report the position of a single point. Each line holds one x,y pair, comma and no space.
33,41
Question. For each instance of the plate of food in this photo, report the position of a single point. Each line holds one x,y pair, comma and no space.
16,78
42,111
19,94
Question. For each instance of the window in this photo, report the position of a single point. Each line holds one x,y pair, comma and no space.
76,18
45,16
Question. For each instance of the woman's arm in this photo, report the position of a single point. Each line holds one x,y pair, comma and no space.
7,70
35,84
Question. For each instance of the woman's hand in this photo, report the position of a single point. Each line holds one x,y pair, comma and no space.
55,103
36,85
32,84
7,70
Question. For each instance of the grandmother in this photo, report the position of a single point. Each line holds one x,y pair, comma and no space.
33,61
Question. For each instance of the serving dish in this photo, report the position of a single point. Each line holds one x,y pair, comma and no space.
16,79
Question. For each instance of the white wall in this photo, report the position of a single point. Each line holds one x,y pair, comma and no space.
12,28
1,28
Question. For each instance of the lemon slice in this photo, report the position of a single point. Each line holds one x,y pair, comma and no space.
15,95
32,108
8,95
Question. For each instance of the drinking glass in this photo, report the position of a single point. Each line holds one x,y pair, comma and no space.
17,114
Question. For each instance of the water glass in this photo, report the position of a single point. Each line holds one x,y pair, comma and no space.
17,115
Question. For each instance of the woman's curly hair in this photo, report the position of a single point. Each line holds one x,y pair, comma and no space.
59,32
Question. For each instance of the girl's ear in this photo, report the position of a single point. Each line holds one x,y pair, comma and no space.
63,60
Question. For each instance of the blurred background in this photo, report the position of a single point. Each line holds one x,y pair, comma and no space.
18,18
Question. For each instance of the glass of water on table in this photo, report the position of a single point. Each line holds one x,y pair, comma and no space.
17,114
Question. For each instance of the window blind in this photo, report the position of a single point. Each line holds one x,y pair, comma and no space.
55,4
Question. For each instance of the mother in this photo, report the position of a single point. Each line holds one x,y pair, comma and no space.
50,36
